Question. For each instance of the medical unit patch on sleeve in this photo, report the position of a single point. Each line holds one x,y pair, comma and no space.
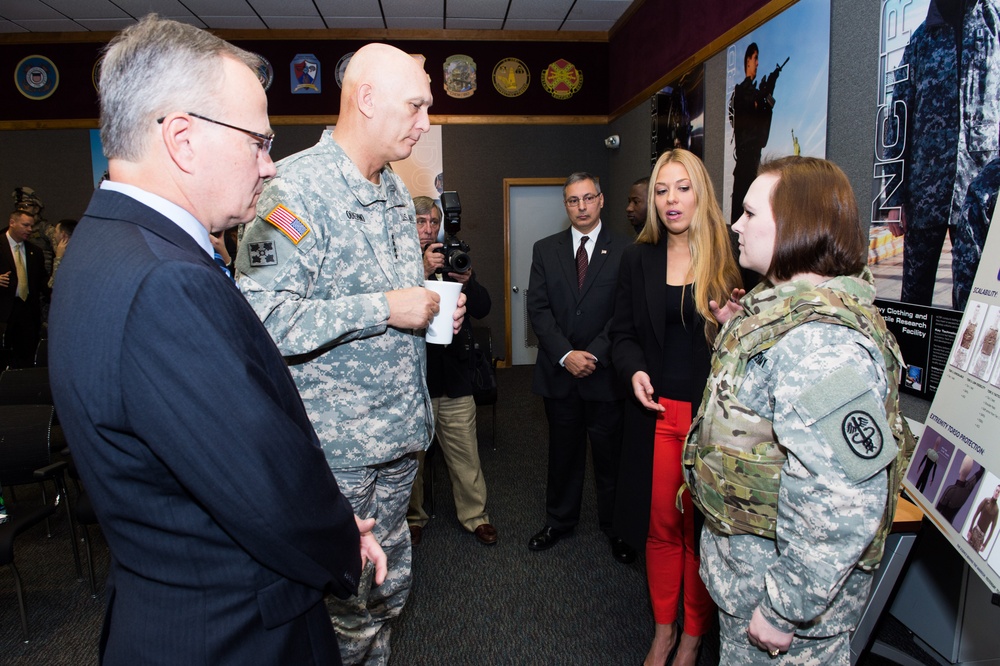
288,223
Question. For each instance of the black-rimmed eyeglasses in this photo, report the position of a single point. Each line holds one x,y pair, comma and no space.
266,139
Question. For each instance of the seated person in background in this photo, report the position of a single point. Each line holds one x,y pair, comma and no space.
449,372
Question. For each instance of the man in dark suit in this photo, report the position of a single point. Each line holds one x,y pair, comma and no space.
570,303
225,524
23,285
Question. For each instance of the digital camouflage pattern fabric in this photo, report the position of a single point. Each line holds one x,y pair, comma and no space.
798,398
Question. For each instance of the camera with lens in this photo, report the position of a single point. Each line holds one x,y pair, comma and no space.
455,251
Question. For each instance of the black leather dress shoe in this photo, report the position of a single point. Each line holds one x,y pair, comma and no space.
622,552
548,537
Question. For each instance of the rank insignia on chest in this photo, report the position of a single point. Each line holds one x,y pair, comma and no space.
288,223
263,253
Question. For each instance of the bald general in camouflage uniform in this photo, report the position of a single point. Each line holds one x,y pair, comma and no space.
973,225
951,131
333,267
832,492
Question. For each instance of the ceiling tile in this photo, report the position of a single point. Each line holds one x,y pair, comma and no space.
294,22
485,9
233,22
532,9
19,10
7,26
600,26
54,25
91,9
165,8
285,8
413,8
349,8
106,24
604,10
355,22
219,8
414,22
474,23
530,24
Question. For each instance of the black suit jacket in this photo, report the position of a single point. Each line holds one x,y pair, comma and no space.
38,279
449,367
224,521
566,318
637,335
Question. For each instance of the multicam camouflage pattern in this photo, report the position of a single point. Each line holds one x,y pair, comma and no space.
951,131
323,302
970,236
732,458
784,374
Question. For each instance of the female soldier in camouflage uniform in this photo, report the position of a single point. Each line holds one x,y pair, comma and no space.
796,453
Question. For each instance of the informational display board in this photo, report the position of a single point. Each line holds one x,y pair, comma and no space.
955,472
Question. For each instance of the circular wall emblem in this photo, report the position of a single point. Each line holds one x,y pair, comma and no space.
265,73
36,77
511,77
95,74
342,67
862,435
562,79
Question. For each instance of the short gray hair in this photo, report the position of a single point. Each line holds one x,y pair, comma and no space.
424,206
153,68
579,176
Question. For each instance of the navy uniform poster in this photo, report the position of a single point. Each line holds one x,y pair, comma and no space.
937,134
954,474
777,84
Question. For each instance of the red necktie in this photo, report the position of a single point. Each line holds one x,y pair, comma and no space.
581,262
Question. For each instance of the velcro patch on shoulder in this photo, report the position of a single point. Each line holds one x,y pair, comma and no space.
847,414
263,253
288,223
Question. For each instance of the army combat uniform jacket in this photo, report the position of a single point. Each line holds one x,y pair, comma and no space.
813,404
315,265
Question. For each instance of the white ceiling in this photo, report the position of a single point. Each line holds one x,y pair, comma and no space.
113,15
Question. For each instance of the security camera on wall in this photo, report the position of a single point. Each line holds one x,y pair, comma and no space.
612,142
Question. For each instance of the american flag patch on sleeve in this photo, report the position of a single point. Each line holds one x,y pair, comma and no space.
288,223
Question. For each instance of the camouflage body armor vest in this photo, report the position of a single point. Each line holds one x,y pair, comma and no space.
732,463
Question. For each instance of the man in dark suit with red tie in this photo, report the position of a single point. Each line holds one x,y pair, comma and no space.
225,525
23,285
570,301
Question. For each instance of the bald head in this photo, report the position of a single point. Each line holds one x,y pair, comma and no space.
383,107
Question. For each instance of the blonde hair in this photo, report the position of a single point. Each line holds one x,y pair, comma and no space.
713,265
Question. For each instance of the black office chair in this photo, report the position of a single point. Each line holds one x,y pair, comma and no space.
25,457
42,353
25,386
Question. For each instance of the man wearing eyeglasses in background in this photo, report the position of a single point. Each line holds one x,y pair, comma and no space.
225,525
570,301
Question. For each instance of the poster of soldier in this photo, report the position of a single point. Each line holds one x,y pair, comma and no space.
954,474
777,83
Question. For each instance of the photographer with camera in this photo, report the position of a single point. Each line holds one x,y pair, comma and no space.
449,372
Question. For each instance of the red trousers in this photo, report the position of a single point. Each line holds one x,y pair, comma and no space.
671,564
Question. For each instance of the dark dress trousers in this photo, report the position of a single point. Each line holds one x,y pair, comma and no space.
23,319
637,334
565,318
224,522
